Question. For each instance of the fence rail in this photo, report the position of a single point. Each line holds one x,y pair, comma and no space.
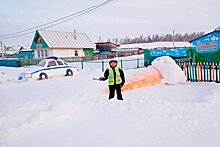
201,72
101,56
123,64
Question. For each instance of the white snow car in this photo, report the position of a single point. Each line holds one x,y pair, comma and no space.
49,68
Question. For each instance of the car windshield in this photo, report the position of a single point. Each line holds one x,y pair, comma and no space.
42,63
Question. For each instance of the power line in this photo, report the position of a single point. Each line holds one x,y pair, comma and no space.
57,21
30,32
77,13
43,24
72,17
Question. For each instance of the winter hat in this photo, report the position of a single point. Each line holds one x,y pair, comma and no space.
113,61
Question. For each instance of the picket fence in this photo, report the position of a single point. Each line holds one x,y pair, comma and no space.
201,72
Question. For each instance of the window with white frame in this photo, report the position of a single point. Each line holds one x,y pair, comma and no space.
42,53
76,53
38,45
38,54
46,53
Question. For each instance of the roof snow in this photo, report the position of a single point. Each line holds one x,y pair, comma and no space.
157,45
218,28
57,39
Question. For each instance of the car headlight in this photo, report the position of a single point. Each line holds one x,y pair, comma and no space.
24,76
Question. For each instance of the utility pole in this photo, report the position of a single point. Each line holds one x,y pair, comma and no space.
173,37
1,48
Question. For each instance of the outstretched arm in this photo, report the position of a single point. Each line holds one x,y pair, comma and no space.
106,74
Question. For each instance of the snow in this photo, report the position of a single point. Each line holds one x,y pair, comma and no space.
156,45
171,72
75,111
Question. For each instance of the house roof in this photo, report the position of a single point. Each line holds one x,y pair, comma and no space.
124,49
107,43
216,30
55,39
157,45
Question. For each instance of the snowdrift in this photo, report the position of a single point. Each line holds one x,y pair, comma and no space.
163,69
170,71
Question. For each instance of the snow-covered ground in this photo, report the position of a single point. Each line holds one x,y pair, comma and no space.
75,112
156,45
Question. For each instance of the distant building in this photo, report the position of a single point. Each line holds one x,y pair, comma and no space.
209,42
157,45
127,51
61,44
105,47
26,54
1,51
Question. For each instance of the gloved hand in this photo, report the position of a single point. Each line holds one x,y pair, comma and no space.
102,79
121,85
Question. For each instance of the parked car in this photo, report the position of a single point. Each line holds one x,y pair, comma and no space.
49,68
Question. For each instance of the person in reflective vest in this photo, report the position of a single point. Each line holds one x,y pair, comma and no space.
116,79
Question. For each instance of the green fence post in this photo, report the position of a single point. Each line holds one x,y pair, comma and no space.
19,62
121,65
138,63
82,64
25,62
147,57
28,62
179,64
103,66
207,72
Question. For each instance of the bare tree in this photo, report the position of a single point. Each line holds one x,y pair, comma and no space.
156,38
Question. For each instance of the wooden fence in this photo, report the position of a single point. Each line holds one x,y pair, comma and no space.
201,72
101,56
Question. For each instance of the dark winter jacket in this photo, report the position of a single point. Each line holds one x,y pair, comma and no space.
106,74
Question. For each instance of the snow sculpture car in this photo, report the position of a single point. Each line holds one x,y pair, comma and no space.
48,68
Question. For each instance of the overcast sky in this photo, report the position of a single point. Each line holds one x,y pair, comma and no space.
121,18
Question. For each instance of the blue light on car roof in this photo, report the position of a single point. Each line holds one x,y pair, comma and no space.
52,57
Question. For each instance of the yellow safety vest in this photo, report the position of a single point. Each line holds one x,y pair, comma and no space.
111,79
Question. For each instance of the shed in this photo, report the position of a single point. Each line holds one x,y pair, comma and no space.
105,47
23,54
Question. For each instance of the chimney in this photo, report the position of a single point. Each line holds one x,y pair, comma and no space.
74,33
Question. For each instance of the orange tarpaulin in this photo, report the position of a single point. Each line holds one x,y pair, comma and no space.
145,77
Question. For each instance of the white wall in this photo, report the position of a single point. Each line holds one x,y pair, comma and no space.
46,53
80,52
58,53
67,52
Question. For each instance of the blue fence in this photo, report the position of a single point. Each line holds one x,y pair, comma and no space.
9,62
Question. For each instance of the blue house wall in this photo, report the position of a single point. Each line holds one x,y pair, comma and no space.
207,43
179,52
26,54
